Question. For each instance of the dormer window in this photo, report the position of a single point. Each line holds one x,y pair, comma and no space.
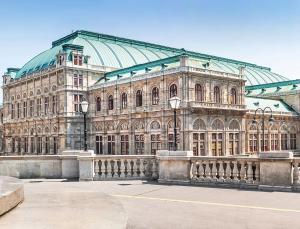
61,60
77,59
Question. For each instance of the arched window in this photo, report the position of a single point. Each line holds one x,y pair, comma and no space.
199,93
124,100
155,96
217,98
139,98
98,104
110,102
233,98
173,90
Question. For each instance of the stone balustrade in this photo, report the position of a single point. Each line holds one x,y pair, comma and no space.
125,167
225,171
268,171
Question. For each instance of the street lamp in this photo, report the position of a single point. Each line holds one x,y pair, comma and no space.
271,122
84,108
174,103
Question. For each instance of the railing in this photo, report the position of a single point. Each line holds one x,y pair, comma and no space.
198,104
125,167
225,170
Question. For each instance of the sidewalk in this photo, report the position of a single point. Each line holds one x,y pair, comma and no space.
56,204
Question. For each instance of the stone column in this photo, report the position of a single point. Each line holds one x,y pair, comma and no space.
51,145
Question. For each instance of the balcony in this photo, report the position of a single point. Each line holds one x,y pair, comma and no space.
211,105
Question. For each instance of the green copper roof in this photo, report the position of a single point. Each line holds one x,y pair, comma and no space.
111,51
253,103
277,88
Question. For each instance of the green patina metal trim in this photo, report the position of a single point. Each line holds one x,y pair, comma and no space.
115,55
275,84
144,66
72,47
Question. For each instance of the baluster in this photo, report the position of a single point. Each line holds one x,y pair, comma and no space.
126,166
101,166
249,172
201,171
235,171
138,167
122,168
242,172
256,172
134,168
116,175
144,168
194,170
105,168
109,169
214,171
296,173
206,171
221,171
228,171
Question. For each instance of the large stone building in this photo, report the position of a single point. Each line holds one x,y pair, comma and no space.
128,85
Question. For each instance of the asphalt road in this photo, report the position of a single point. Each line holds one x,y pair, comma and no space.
112,204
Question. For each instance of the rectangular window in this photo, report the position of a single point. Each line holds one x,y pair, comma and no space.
265,147
18,110
77,59
77,102
46,105
139,144
111,144
54,102
24,109
12,111
39,106
284,141
293,141
25,145
155,143
39,145
31,108
55,145
199,144
274,142
170,141
217,144
75,80
124,144
47,145
32,144
99,144
80,80
233,143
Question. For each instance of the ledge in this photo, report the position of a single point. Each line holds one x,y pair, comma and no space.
11,193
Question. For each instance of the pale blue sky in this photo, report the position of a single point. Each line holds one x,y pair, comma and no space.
265,32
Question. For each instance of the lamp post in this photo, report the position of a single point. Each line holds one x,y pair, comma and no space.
271,121
84,108
174,103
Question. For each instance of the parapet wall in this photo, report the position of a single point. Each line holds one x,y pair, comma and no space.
44,166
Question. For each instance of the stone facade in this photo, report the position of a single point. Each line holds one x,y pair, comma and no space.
131,115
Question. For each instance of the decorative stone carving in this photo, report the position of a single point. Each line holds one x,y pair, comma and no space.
155,125
217,125
199,124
